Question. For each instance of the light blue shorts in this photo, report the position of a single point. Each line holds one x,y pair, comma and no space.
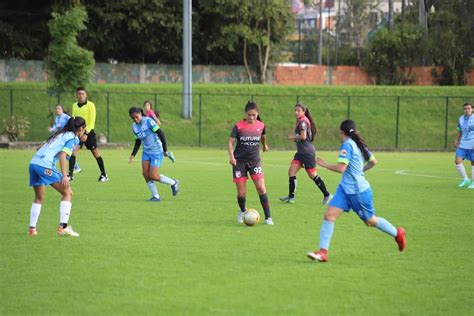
43,176
465,154
361,204
156,160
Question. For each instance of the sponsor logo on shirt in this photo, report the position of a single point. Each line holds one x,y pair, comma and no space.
343,152
250,140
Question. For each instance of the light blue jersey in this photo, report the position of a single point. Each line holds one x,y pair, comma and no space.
466,128
60,121
353,179
48,155
146,132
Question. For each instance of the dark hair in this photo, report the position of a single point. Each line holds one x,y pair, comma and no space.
157,113
80,89
349,128
135,109
59,104
72,125
252,106
310,118
467,103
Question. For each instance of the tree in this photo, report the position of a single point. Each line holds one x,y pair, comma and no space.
68,64
357,15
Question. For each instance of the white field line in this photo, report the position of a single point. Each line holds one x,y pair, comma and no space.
407,173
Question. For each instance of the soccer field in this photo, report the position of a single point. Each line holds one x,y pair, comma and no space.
187,254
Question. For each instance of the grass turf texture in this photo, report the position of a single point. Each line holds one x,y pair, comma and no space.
187,255
422,111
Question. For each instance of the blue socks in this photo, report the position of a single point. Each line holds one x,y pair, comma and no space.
386,227
325,235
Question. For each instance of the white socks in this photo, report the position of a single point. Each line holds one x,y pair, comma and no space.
152,187
462,171
64,211
34,214
166,180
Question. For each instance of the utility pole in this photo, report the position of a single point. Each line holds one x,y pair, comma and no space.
187,60
320,46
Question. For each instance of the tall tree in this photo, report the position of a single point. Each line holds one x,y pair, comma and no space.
68,64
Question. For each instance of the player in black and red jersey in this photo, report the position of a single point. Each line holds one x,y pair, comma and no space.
305,156
245,158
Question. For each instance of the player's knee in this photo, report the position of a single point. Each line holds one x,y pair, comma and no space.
39,199
371,222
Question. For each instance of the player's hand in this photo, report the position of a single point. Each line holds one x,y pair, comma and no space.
291,137
130,160
232,161
50,129
84,138
265,147
321,162
65,181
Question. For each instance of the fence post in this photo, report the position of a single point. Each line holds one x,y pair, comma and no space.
108,116
156,102
11,101
297,99
251,97
446,125
200,121
348,107
59,98
398,121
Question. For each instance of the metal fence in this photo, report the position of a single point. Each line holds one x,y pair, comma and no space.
386,122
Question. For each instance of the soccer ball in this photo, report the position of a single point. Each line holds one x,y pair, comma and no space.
251,217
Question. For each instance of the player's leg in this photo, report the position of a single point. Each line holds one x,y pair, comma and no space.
91,144
471,186
241,186
72,163
325,234
155,164
65,207
295,166
262,194
313,174
35,210
458,160
155,196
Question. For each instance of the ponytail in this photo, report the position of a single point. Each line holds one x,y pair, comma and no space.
349,128
72,125
252,106
310,119
135,109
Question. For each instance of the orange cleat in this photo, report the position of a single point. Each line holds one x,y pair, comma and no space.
320,256
32,232
401,238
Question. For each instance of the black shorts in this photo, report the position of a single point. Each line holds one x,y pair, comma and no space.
240,170
307,161
91,142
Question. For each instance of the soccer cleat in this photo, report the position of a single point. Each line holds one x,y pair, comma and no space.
240,217
171,156
77,169
320,256
70,177
154,199
175,188
327,199
68,231
103,178
32,232
269,221
471,186
464,182
288,199
401,238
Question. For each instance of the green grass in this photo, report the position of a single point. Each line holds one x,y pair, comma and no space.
187,255
421,120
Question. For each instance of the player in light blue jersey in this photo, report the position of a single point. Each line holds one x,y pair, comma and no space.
353,192
59,121
148,133
43,172
465,145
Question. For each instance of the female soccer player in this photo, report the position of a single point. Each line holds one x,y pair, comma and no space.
154,148
465,145
245,158
147,106
305,156
43,172
353,192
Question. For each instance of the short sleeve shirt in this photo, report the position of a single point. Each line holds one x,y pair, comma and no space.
146,132
304,146
466,128
248,138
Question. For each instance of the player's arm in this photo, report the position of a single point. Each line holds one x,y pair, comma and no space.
162,138
458,139
339,168
136,147
264,140
230,149
371,163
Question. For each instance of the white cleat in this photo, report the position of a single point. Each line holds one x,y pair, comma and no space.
240,217
269,221
68,231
